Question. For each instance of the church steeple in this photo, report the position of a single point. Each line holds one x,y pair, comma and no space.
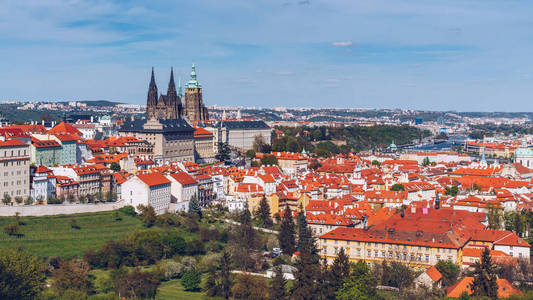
193,81
171,84
151,99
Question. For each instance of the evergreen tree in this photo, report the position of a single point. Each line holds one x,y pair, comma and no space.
278,286
485,277
360,285
225,276
339,271
306,284
210,286
305,236
263,213
286,234
194,206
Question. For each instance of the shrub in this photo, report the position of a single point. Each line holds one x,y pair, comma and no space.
191,280
128,210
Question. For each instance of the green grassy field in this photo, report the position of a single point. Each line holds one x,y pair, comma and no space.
173,289
53,236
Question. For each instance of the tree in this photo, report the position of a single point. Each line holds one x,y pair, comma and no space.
307,265
397,187
72,275
249,287
244,240
71,198
278,285
269,160
147,214
259,145
376,163
340,270
286,234
6,199
135,284
396,275
263,213
452,191
191,280
426,161
223,152
13,229
194,206
485,277
360,285
449,272
19,200
115,167
225,276
250,154
22,275
494,216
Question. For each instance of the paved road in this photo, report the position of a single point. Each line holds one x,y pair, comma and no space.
256,228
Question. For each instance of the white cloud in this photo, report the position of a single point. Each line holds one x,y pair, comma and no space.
342,44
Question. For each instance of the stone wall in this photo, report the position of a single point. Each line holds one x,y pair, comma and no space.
58,209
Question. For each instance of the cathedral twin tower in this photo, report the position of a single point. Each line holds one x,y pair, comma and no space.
174,105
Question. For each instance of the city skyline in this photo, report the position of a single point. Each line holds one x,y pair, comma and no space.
449,55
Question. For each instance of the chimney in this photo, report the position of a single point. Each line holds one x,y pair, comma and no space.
413,209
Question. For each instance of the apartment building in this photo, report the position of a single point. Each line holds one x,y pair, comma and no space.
14,168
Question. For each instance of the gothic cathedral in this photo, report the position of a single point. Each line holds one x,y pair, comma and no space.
174,105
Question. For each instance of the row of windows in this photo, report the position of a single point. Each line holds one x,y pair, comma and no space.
7,153
19,182
381,245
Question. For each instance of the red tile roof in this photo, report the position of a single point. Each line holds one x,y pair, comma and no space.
153,179
183,178
505,288
64,128
12,143
434,274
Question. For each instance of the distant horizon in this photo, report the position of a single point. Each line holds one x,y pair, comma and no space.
274,107
441,56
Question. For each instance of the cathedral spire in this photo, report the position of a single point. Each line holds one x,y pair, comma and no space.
171,84
193,81
152,80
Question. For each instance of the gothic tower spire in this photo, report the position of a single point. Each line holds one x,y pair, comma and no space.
172,98
151,101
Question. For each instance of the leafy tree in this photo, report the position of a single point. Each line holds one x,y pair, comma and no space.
244,240
223,152
72,275
464,296
191,280
397,275
6,199
115,167
376,163
485,277
286,234
19,200
269,160
249,287
397,187
452,191
250,154
28,201
194,206
278,285
449,270
148,215
135,284
128,210
426,161
494,216
360,285
263,213
260,146
22,275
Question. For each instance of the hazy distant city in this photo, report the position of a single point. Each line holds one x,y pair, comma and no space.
231,170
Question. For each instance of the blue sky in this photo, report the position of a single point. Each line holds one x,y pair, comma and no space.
461,55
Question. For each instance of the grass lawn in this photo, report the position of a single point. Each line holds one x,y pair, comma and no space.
53,236
173,289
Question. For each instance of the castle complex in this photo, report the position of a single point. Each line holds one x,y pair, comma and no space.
174,105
